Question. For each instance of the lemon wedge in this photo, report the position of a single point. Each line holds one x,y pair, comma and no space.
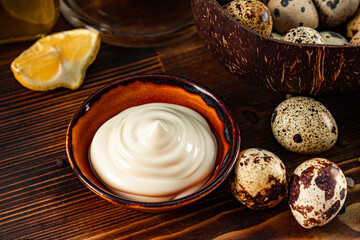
57,60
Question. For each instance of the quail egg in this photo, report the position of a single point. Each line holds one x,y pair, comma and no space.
252,13
276,35
304,125
334,38
335,12
291,14
303,35
353,26
317,191
260,179
355,40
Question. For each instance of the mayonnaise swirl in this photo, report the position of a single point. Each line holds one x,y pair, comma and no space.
154,152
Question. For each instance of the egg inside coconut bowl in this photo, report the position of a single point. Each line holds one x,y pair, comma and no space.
282,64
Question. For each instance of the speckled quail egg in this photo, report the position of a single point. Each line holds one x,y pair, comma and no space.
253,14
260,179
303,35
304,125
276,35
333,13
317,191
355,40
291,14
334,38
353,26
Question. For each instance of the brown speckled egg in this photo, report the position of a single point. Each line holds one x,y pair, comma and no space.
253,14
303,35
317,192
333,13
276,35
355,40
291,14
260,179
353,26
333,38
304,125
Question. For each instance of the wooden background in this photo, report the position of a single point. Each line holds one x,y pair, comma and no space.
41,198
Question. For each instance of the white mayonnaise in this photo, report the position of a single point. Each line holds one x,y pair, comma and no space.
154,152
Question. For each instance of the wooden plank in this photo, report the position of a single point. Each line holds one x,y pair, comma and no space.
40,199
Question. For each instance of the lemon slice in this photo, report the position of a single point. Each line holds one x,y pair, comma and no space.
57,60
34,11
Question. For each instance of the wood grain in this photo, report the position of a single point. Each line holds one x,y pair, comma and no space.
41,198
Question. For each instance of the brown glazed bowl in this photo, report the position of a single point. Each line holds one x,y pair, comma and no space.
137,90
273,64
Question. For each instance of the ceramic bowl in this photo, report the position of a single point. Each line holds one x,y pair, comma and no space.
273,64
137,90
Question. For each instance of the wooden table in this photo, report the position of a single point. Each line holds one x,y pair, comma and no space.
41,198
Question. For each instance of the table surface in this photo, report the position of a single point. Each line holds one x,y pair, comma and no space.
41,198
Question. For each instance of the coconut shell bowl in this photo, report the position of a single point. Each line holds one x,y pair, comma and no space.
137,90
273,64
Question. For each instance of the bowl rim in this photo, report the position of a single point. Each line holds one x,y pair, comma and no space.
310,45
231,155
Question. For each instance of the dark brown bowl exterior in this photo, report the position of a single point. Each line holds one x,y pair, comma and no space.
137,90
272,64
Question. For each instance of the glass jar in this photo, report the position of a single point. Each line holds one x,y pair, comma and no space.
25,19
134,23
